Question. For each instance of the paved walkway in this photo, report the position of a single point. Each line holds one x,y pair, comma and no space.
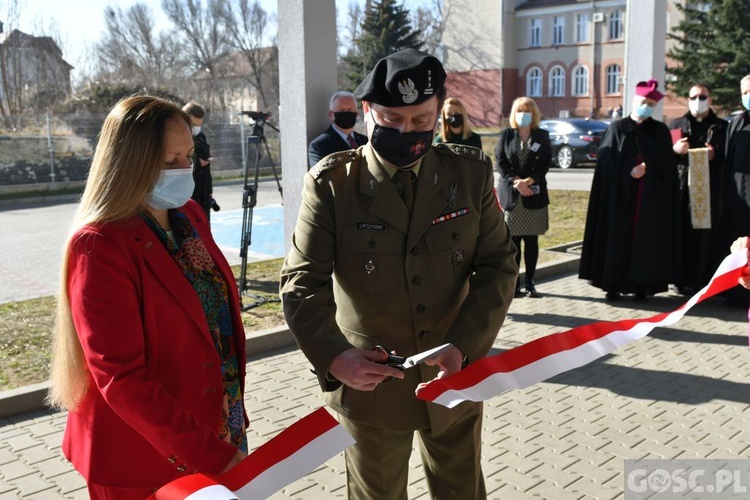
682,392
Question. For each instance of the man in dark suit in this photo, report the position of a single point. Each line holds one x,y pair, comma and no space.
400,243
340,135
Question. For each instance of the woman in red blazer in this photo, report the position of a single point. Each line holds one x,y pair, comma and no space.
149,351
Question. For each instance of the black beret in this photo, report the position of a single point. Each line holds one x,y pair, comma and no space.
402,79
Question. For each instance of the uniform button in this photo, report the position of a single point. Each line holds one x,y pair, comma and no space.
371,244
455,236
416,280
182,468
415,250
210,390
422,335
420,308
208,365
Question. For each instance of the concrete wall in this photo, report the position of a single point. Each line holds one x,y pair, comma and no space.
307,78
471,35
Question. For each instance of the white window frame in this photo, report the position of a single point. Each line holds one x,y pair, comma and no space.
613,72
534,82
582,27
558,30
557,82
615,25
579,84
535,32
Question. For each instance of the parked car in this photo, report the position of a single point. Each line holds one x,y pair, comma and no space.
574,140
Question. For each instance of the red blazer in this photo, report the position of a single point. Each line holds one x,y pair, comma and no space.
153,408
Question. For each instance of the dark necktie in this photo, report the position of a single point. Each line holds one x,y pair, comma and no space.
406,180
352,142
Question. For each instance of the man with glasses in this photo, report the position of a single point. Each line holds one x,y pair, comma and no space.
340,135
699,137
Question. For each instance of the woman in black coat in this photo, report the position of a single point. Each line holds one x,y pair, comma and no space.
523,157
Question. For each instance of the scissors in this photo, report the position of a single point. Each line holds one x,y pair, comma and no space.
402,363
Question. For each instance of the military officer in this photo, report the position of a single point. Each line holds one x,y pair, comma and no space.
401,244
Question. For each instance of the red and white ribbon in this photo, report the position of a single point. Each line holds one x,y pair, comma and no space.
553,354
292,454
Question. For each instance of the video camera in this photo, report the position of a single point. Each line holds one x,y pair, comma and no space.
256,115
259,119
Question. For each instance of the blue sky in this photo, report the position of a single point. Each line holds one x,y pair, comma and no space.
80,22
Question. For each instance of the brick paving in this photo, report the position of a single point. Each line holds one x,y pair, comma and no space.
682,392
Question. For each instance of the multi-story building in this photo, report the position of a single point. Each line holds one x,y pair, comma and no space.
568,55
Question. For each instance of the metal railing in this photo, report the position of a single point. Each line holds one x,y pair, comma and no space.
58,148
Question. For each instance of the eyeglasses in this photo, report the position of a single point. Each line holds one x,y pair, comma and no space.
699,97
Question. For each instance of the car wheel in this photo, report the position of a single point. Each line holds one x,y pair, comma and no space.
565,157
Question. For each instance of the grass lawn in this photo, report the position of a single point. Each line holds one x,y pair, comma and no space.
26,326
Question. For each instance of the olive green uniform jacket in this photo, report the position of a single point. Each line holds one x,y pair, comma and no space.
362,272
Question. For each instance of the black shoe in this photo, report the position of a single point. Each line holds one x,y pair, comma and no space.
612,296
531,292
518,294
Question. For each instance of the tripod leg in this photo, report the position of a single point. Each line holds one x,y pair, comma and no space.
249,202
273,168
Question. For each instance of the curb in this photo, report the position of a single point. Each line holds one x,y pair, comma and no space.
31,398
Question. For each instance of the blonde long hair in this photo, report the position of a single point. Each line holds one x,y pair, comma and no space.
126,165
445,131
527,105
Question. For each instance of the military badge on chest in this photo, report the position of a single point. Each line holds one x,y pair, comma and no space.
458,255
369,266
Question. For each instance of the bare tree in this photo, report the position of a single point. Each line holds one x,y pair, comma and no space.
201,25
133,52
246,27
430,22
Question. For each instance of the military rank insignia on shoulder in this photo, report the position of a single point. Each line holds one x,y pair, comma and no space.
461,150
334,160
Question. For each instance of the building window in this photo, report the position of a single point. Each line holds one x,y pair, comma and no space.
558,30
613,79
615,25
582,28
534,83
580,81
557,82
536,33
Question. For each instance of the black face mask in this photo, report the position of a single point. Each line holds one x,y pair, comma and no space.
398,148
345,119
455,120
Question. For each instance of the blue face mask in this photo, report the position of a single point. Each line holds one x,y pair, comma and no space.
173,189
644,111
523,119
746,101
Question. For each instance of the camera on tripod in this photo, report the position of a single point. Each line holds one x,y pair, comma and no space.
259,118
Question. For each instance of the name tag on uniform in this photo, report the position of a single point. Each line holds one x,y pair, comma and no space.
371,226
535,147
452,215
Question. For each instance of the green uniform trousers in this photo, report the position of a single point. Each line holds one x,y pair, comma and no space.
377,466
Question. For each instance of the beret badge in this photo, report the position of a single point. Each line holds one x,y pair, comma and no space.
408,91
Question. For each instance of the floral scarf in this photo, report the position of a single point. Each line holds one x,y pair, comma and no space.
191,255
